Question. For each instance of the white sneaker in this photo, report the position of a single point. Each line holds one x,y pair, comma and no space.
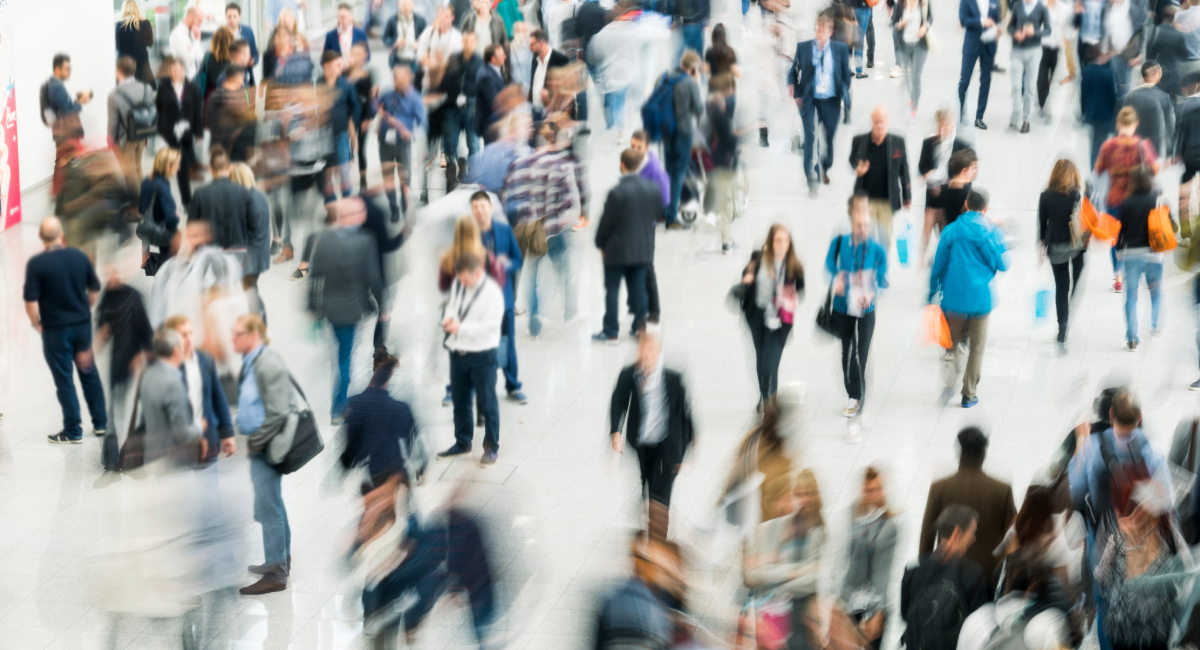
896,72
851,409
853,434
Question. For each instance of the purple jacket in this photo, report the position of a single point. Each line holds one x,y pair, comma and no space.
653,170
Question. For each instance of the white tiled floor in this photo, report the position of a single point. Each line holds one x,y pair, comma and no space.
559,507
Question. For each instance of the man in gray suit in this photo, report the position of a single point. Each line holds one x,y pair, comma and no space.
343,277
172,431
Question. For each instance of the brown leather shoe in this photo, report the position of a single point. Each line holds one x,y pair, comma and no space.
264,569
269,584
674,226
824,178
285,255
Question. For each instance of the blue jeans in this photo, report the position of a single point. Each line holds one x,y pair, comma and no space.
269,510
63,348
557,250
676,152
693,37
863,16
1112,252
635,285
1137,263
345,344
614,108
475,371
509,341
827,111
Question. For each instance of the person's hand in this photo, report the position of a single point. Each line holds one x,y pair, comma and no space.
987,23
451,325
228,446
85,98
1137,60
1019,36
618,443
37,327
748,278
1029,29
862,167
203,447
405,134
908,205
839,286
873,627
922,30
400,44
365,127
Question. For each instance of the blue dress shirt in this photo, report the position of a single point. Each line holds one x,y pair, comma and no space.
251,412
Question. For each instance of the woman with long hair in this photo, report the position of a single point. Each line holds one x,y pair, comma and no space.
134,37
762,450
1062,239
1119,156
285,28
1137,257
467,239
157,204
773,281
720,57
873,534
216,60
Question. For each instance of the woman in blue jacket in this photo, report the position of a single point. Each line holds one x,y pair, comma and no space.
157,203
858,264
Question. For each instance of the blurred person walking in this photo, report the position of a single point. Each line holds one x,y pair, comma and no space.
285,28
343,278
1186,145
400,112
458,81
233,20
1154,108
720,57
763,450
121,319
1062,242
545,58
472,321
186,43
989,500
910,23
1028,25
819,82
180,121
230,116
688,108
157,204
60,112
400,36
497,237
344,35
437,43
1062,30
362,79
1169,48
205,396
723,145
625,237
172,428
982,22
216,60
258,243
616,53
1119,156
652,168
225,205
60,288
934,166
489,81
858,265
773,280
953,195
1098,98
880,160
1137,257
866,589
135,35
969,254
381,432
344,125
944,587
862,23
126,105
659,425
636,613
265,404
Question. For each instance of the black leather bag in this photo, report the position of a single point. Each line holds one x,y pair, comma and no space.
825,313
306,442
152,231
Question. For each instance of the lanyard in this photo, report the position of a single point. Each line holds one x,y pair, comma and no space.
463,310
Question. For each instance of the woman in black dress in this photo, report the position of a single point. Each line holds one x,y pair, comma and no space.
134,37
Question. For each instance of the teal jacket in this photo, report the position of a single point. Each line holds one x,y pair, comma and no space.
846,256
969,255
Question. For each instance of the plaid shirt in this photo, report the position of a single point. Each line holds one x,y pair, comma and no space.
539,185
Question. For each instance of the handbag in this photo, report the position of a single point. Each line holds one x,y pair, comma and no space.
151,231
785,304
931,42
299,442
1160,228
531,237
1061,253
133,452
773,623
825,313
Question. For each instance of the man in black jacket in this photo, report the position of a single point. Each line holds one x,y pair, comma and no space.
934,614
625,237
881,162
544,58
224,204
489,81
1167,46
1187,143
400,36
180,122
659,425
1155,111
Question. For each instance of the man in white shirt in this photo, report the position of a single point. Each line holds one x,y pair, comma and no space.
439,42
185,42
472,323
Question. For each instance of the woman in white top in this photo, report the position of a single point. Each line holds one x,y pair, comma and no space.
911,20
1062,29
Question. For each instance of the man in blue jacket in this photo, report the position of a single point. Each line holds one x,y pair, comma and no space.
819,81
969,255
205,393
979,43
233,20
500,242
345,34
345,121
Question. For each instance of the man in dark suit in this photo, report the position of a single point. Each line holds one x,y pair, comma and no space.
489,81
498,239
225,205
659,425
881,162
346,34
979,43
544,58
179,102
819,81
1155,110
1167,46
209,400
992,499
400,36
625,237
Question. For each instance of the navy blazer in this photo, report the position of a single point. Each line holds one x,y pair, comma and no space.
248,36
333,43
972,21
504,242
219,425
488,84
157,190
803,61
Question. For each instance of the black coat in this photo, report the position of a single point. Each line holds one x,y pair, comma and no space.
627,401
926,163
626,230
226,206
391,33
488,84
899,186
556,60
170,111
134,43
1167,46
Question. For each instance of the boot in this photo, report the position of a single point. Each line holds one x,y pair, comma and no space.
451,175
1062,333
274,580
462,169
762,137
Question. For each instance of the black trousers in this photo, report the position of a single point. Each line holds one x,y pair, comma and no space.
475,371
1065,282
856,333
652,305
1046,73
768,351
187,160
657,476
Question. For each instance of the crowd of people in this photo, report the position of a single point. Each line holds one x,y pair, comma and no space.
497,94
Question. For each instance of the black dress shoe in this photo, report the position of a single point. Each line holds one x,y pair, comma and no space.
1025,127
456,450
824,178
980,125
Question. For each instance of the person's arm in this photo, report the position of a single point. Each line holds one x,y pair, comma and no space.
1169,127
35,319
966,19
275,391
1042,29
881,559
905,180
1043,222
619,405
881,267
905,593
391,32
925,161
515,259
220,402
854,150
113,118
373,273
831,256
604,229
933,508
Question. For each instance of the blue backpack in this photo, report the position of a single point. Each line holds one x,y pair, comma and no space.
658,113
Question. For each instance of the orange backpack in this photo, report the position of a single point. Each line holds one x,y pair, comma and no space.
1160,228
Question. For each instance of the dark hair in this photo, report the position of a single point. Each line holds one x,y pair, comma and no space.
481,196
858,195
961,160
489,52
972,444
235,72
1141,179
1034,520
1103,402
384,365
640,134
540,35
631,160
468,262
956,516
328,56
977,200
718,35
1025,571
60,59
234,6
238,45
1125,410
127,66
1091,52
218,159
1150,65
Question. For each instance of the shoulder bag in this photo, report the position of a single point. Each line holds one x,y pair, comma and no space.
299,442
825,313
1063,252
133,452
150,230
531,237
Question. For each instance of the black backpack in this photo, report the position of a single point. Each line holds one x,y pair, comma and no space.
142,121
48,114
938,611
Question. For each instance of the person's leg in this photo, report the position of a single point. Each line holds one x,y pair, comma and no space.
187,161
987,56
1076,271
677,153
558,249
645,460
830,111
619,109
870,38
483,380
57,348
970,53
89,376
610,100
612,292
635,284
653,307
345,344
977,327
808,115
460,394
530,267
1062,291
757,331
866,330
1016,74
1045,73
862,15
1154,272
466,119
1033,59
508,328
773,342
918,66
389,178
881,210
269,511
958,335
1134,265
845,329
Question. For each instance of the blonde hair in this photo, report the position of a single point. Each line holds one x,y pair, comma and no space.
163,161
1127,117
131,14
242,175
173,322
806,481
254,323
689,61
466,240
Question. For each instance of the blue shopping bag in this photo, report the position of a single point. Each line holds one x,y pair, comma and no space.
1042,303
902,243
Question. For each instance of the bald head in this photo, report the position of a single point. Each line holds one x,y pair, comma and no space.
193,17
879,123
50,232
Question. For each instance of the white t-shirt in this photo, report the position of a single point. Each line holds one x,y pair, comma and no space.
1046,631
539,81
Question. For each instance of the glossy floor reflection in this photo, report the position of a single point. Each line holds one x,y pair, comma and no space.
559,507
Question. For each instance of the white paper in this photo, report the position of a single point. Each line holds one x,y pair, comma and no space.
390,138
181,127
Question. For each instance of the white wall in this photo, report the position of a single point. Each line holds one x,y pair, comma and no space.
83,29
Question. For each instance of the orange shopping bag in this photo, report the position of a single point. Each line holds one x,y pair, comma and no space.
1102,226
935,330
1161,228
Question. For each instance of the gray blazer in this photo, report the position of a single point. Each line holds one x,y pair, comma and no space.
275,390
343,276
869,563
258,230
171,430
767,570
